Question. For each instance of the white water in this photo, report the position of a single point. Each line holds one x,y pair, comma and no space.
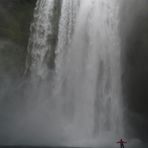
66,29
38,45
87,90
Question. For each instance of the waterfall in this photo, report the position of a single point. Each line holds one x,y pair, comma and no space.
87,83
38,46
66,29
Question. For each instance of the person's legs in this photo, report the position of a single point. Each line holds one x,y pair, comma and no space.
122,145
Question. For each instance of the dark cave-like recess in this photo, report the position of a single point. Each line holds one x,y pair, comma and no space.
134,35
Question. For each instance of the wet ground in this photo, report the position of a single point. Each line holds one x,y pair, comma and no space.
117,146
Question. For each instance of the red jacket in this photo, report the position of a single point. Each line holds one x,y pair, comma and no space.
121,141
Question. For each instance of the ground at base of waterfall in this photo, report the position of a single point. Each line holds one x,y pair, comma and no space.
23,146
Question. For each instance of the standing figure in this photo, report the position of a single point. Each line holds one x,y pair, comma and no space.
121,143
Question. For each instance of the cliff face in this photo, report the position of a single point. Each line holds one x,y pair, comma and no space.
134,35
15,16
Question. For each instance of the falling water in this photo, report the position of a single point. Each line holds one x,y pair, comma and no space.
66,29
87,84
38,45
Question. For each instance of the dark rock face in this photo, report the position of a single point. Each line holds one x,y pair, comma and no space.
134,34
15,16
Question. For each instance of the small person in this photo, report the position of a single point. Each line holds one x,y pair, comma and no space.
121,143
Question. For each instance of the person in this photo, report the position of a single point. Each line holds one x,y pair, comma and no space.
121,143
